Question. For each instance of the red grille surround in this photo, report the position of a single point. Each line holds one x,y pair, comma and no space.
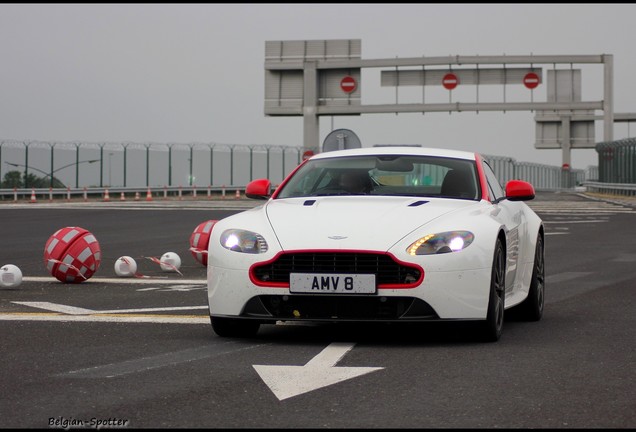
390,272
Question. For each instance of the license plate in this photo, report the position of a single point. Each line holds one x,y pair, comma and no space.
329,283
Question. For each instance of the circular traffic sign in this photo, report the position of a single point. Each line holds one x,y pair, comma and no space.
531,80
348,84
450,81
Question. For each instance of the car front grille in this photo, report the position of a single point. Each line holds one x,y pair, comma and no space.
388,271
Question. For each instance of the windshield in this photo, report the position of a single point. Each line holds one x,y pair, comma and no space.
387,175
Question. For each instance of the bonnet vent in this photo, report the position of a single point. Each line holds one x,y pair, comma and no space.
417,203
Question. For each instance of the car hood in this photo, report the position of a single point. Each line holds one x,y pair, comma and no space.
355,223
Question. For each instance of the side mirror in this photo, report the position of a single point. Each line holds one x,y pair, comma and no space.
519,190
258,189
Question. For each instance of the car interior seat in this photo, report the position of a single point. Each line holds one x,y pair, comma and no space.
458,184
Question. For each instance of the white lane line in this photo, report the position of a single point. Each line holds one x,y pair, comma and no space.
106,318
71,310
143,310
142,281
575,221
53,307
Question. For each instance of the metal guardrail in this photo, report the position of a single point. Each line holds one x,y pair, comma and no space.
236,165
121,193
542,177
104,165
623,189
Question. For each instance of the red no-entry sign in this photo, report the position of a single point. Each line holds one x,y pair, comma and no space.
348,84
531,80
450,81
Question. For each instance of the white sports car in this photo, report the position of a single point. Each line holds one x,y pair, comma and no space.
382,234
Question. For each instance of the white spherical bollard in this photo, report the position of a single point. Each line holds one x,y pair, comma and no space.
170,261
10,276
125,266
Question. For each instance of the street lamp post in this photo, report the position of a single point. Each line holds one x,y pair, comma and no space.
26,167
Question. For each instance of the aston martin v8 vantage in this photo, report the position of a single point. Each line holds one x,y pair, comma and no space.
382,234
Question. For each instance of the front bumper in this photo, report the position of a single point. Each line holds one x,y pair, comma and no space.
461,295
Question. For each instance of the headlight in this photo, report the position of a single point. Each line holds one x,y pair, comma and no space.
450,241
243,241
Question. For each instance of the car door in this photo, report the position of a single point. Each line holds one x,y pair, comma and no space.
509,214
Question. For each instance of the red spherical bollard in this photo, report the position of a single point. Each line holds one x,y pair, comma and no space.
199,241
72,255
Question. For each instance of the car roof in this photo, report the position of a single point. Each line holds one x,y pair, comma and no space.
398,150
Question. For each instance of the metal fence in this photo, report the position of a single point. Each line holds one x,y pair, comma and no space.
617,161
542,177
132,167
100,165
616,168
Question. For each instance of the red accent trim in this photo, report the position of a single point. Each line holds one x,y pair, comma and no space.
284,182
482,177
257,282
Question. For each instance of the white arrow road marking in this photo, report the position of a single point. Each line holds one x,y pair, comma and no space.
290,381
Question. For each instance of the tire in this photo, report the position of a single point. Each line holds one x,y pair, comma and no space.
236,328
531,309
492,328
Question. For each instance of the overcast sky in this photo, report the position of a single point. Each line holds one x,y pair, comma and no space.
188,73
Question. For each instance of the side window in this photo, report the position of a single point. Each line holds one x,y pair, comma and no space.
495,188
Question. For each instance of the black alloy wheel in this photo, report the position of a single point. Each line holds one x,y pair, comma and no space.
532,307
492,328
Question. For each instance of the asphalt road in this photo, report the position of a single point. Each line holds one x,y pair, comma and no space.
140,353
